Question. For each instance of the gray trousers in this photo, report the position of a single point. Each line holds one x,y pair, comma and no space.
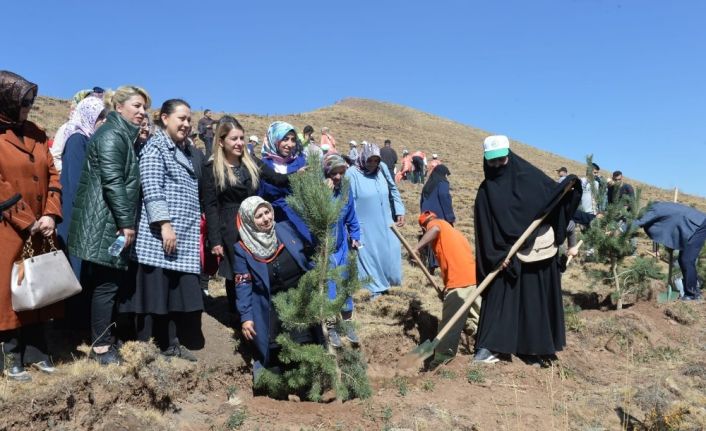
448,345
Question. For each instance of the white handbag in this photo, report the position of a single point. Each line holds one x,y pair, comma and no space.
38,281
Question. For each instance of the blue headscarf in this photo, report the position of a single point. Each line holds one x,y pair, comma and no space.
275,133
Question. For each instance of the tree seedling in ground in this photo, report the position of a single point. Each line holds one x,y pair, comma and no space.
312,369
612,238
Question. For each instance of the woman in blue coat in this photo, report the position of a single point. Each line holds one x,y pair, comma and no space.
437,199
269,258
283,153
347,230
85,120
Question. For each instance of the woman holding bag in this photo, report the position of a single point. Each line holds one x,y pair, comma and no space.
30,205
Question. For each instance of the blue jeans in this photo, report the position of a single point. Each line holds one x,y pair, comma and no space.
687,260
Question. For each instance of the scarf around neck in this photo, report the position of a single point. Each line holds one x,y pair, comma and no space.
437,176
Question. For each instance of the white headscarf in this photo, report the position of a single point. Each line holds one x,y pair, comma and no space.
261,244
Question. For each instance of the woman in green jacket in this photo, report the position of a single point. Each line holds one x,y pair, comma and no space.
104,211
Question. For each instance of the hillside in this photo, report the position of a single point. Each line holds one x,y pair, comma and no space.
641,368
458,145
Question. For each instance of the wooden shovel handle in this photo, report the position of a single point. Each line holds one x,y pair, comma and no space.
568,260
416,258
490,277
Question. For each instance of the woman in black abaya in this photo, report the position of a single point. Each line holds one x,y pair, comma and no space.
522,311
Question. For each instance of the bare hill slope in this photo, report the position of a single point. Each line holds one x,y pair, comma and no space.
458,145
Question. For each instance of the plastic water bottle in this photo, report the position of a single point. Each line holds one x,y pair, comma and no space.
117,246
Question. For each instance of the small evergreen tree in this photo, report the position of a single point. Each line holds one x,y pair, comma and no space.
612,238
313,368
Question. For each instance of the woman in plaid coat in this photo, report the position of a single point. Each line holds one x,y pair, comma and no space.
167,290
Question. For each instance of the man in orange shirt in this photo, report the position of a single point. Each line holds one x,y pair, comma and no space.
458,270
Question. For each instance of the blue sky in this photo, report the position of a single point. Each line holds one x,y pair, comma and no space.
624,80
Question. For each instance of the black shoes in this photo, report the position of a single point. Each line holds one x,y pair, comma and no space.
112,356
18,374
44,366
179,351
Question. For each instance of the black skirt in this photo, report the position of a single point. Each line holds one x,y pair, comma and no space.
161,291
526,315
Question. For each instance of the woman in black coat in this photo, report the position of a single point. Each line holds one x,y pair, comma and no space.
229,177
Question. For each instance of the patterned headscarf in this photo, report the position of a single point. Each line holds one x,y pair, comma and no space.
276,132
13,90
261,244
368,151
83,119
333,161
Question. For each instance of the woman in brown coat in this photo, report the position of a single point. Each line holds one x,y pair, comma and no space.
30,205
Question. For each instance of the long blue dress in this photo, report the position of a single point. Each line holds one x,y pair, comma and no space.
277,197
380,256
346,227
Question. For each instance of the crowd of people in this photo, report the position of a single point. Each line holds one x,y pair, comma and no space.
145,217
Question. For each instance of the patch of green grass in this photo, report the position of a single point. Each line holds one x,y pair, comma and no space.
447,374
236,419
402,385
681,313
572,320
659,353
428,385
475,375
387,418
231,391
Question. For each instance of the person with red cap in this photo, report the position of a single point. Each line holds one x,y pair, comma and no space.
458,270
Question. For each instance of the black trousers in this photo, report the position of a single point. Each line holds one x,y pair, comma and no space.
103,282
26,345
161,327
165,329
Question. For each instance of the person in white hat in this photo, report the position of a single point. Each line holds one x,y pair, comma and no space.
522,312
353,153
253,141
434,163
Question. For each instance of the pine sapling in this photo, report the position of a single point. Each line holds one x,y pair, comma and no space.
612,237
312,368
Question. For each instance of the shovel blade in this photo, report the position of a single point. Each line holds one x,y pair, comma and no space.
668,296
419,354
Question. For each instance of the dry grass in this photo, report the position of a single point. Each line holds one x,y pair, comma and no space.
612,358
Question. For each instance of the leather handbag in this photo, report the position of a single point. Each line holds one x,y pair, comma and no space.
542,248
38,281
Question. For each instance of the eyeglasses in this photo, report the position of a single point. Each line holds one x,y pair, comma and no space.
26,103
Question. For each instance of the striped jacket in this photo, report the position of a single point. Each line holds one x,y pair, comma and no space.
170,192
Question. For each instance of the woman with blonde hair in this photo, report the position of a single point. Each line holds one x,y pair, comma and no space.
229,177
104,212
